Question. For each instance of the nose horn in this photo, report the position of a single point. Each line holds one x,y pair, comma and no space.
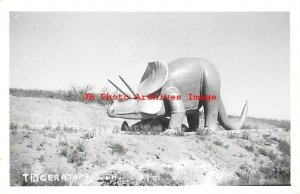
110,111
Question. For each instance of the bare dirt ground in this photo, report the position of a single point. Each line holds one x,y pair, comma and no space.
49,136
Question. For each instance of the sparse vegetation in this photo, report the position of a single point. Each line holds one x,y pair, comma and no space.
283,146
276,172
99,162
117,148
149,171
89,134
41,144
116,129
245,135
117,178
75,93
41,158
279,123
64,151
218,142
75,153
203,134
13,126
268,153
161,179
26,127
69,129
48,125
249,148
231,135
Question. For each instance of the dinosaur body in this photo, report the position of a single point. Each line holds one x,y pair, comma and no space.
182,77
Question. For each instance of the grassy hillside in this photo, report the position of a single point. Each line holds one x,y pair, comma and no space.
55,137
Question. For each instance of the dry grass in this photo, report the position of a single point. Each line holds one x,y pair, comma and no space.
75,153
231,135
218,142
245,135
75,93
117,148
276,172
117,178
152,178
78,149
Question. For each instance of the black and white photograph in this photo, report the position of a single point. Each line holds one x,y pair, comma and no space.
149,99
161,99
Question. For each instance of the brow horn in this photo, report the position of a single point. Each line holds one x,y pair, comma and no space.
131,90
118,88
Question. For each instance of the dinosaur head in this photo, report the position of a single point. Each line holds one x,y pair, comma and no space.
154,78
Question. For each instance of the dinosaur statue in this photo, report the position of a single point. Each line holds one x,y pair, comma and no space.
177,81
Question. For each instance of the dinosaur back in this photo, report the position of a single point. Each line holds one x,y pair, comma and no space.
187,75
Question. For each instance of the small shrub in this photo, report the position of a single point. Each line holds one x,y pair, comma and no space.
69,129
169,169
48,125
101,163
13,126
64,151
218,142
117,178
267,153
63,143
163,179
116,129
149,171
89,134
30,146
245,135
203,133
75,153
284,146
41,158
80,146
231,135
27,135
262,151
117,148
271,155
249,148
76,157
25,126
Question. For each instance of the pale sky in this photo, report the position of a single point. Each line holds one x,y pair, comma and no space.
250,50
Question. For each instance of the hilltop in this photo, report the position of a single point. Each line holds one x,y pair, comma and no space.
51,136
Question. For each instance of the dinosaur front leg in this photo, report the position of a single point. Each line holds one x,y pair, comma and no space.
177,111
175,123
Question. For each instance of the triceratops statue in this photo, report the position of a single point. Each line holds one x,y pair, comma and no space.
182,77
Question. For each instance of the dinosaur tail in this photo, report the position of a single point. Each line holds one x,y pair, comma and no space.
226,123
